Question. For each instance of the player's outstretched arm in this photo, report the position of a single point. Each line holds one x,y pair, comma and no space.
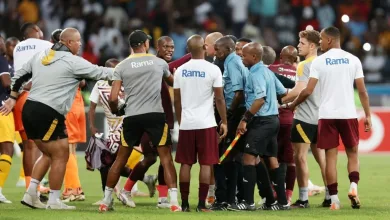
306,92
294,92
113,100
85,70
363,96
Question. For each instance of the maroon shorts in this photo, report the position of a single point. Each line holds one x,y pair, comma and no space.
201,144
285,149
329,131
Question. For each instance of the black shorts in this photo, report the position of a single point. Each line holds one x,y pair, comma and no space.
233,123
261,137
42,122
154,124
303,132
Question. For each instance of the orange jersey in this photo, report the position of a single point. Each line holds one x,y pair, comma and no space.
75,121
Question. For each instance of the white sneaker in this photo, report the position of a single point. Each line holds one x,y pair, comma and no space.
104,207
21,182
163,204
3,199
126,199
150,181
316,190
98,202
32,201
59,205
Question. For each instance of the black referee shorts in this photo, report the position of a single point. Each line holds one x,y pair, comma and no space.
261,137
154,124
233,123
42,122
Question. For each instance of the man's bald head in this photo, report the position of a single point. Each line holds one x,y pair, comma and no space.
252,53
288,55
71,38
269,55
210,41
223,47
195,45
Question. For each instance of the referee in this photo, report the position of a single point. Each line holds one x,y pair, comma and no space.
55,74
234,72
263,125
141,76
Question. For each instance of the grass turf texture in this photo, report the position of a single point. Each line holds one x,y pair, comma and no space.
373,192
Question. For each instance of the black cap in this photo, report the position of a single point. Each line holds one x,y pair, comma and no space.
138,37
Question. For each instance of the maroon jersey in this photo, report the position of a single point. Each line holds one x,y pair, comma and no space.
285,116
166,96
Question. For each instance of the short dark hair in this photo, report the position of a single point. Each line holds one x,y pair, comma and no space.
243,39
234,38
312,36
26,27
332,32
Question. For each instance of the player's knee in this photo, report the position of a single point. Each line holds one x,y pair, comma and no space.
7,148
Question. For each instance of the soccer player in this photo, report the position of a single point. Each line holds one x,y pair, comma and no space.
7,127
304,126
335,72
32,43
10,44
100,94
141,76
233,81
240,44
55,76
288,56
261,89
76,127
194,111
165,49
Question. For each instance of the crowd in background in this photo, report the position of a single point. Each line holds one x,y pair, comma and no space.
105,24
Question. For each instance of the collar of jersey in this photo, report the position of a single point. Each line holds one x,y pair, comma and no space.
140,55
256,66
60,47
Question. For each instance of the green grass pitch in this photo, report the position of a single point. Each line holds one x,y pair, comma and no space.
373,192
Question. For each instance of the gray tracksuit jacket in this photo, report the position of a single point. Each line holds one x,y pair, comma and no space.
55,77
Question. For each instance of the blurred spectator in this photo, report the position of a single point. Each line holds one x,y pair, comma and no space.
309,20
268,11
285,26
89,55
75,20
325,14
373,63
357,25
386,68
116,13
178,36
213,23
201,11
29,11
239,15
92,7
